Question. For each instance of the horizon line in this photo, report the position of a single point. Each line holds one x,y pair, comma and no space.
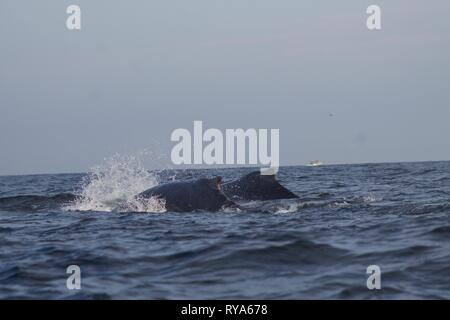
231,167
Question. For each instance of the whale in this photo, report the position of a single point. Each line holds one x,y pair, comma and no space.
255,186
212,195
187,196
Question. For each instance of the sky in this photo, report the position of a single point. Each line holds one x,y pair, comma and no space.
137,70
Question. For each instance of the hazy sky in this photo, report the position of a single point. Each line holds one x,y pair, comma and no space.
137,70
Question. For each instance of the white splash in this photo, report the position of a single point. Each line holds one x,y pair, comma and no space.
113,186
369,199
291,208
340,204
138,204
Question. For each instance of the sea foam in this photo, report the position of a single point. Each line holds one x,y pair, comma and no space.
113,186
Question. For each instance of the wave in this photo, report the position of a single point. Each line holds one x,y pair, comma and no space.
294,206
211,259
36,203
441,231
428,208
110,187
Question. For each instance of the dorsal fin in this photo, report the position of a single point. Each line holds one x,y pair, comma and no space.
216,182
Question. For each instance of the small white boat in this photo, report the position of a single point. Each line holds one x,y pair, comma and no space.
315,163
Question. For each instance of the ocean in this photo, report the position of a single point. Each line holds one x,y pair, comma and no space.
349,217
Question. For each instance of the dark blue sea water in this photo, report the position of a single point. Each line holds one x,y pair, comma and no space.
396,216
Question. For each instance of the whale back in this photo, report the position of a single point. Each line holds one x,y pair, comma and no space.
201,194
255,186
